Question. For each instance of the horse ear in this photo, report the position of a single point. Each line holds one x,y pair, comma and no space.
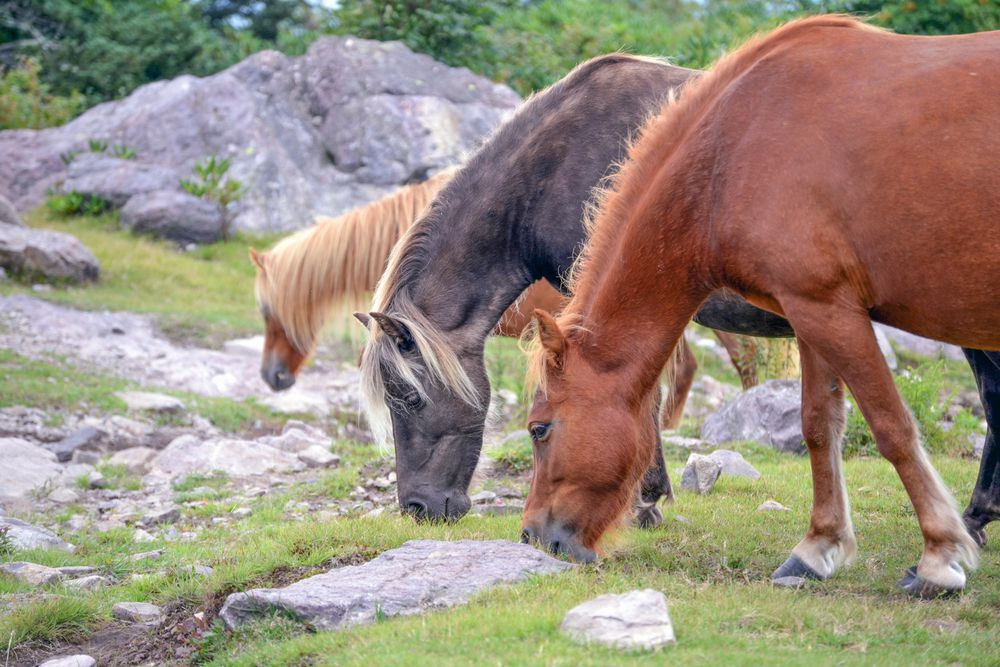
363,318
395,330
551,337
257,258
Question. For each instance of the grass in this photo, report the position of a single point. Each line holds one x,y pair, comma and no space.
713,567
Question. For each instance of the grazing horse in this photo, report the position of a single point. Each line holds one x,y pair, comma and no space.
829,172
512,215
340,259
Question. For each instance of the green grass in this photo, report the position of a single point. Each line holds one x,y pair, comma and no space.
203,294
713,569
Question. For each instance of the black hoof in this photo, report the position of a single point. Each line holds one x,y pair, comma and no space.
795,567
918,587
977,529
649,517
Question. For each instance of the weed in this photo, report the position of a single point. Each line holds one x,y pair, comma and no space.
75,203
6,543
97,145
213,184
123,152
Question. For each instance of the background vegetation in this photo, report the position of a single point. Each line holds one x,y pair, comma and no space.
59,56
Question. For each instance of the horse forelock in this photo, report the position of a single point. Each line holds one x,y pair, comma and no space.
439,365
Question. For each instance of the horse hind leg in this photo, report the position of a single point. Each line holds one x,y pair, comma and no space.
742,352
984,506
681,377
830,542
845,339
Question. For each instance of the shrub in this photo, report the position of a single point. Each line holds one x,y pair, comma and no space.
213,185
75,203
25,102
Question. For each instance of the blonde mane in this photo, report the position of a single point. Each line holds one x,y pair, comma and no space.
656,142
337,259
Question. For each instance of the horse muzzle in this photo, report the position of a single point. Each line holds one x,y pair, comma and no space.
559,539
276,374
447,506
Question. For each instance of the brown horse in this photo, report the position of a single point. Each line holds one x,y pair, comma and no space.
341,259
829,172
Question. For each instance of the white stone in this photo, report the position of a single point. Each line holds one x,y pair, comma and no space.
141,536
26,467
134,459
88,583
772,506
137,612
64,495
140,401
79,660
31,573
188,454
634,620
734,464
316,456
700,473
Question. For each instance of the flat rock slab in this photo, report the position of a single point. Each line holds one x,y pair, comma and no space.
26,467
150,402
419,576
31,573
188,454
137,612
633,620
79,660
26,536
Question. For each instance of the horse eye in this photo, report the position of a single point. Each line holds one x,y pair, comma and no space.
413,401
539,431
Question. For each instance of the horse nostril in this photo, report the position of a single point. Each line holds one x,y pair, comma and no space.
525,537
416,508
554,547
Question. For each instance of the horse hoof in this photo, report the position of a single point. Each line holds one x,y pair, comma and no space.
649,517
915,585
795,567
978,534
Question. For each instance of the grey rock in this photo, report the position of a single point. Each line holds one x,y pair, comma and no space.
41,253
885,346
925,347
316,456
79,660
8,214
161,516
31,573
385,115
634,620
145,555
189,454
137,612
134,459
251,347
419,576
77,570
790,582
700,473
198,570
772,506
26,467
64,495
141,536
144,401
26,536
86,457
173,215
91,582
770,413
692,444
296,437
734,464
483,497
64,449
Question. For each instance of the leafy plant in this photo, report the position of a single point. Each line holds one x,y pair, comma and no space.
124,152
26,102
76,203
6,543
68,157
213,184
97,145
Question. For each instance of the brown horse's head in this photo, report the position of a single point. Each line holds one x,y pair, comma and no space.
281,361
590,446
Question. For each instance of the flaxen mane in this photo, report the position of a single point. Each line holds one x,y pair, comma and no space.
660,137
337,259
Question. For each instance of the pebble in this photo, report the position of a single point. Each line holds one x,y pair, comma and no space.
64,496
137,612
316,456
90,583
700,473
151,402
79,660
634,620
141,535
161,516
483,497
772,506
145,555
241,512
790,582
198,570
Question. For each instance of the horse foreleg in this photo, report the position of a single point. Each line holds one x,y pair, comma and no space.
742,352
984,506
681,379
830,541
846,341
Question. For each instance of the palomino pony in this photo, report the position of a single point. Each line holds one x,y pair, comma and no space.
341,259
830,172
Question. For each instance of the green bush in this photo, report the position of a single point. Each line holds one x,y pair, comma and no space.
213,184
26,102
75,203
925,393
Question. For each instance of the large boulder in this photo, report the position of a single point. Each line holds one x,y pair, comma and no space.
26,536
188,454
40,253
8,214
770,413
174,215
340,126
117,180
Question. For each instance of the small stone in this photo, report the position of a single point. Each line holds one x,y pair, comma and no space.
86,457
241,512
77,570
89,583
682,519
135,459
141,535
391,477
772,506
507,492
65,448
137,612
381,483
31,573
161,516
734,464
316,456
375,513
145,555
255,493
634,620
198,570
143,401
96,480
483,497
700,473
64,495
79,660
790,582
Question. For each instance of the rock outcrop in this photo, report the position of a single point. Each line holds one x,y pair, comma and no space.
46,255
